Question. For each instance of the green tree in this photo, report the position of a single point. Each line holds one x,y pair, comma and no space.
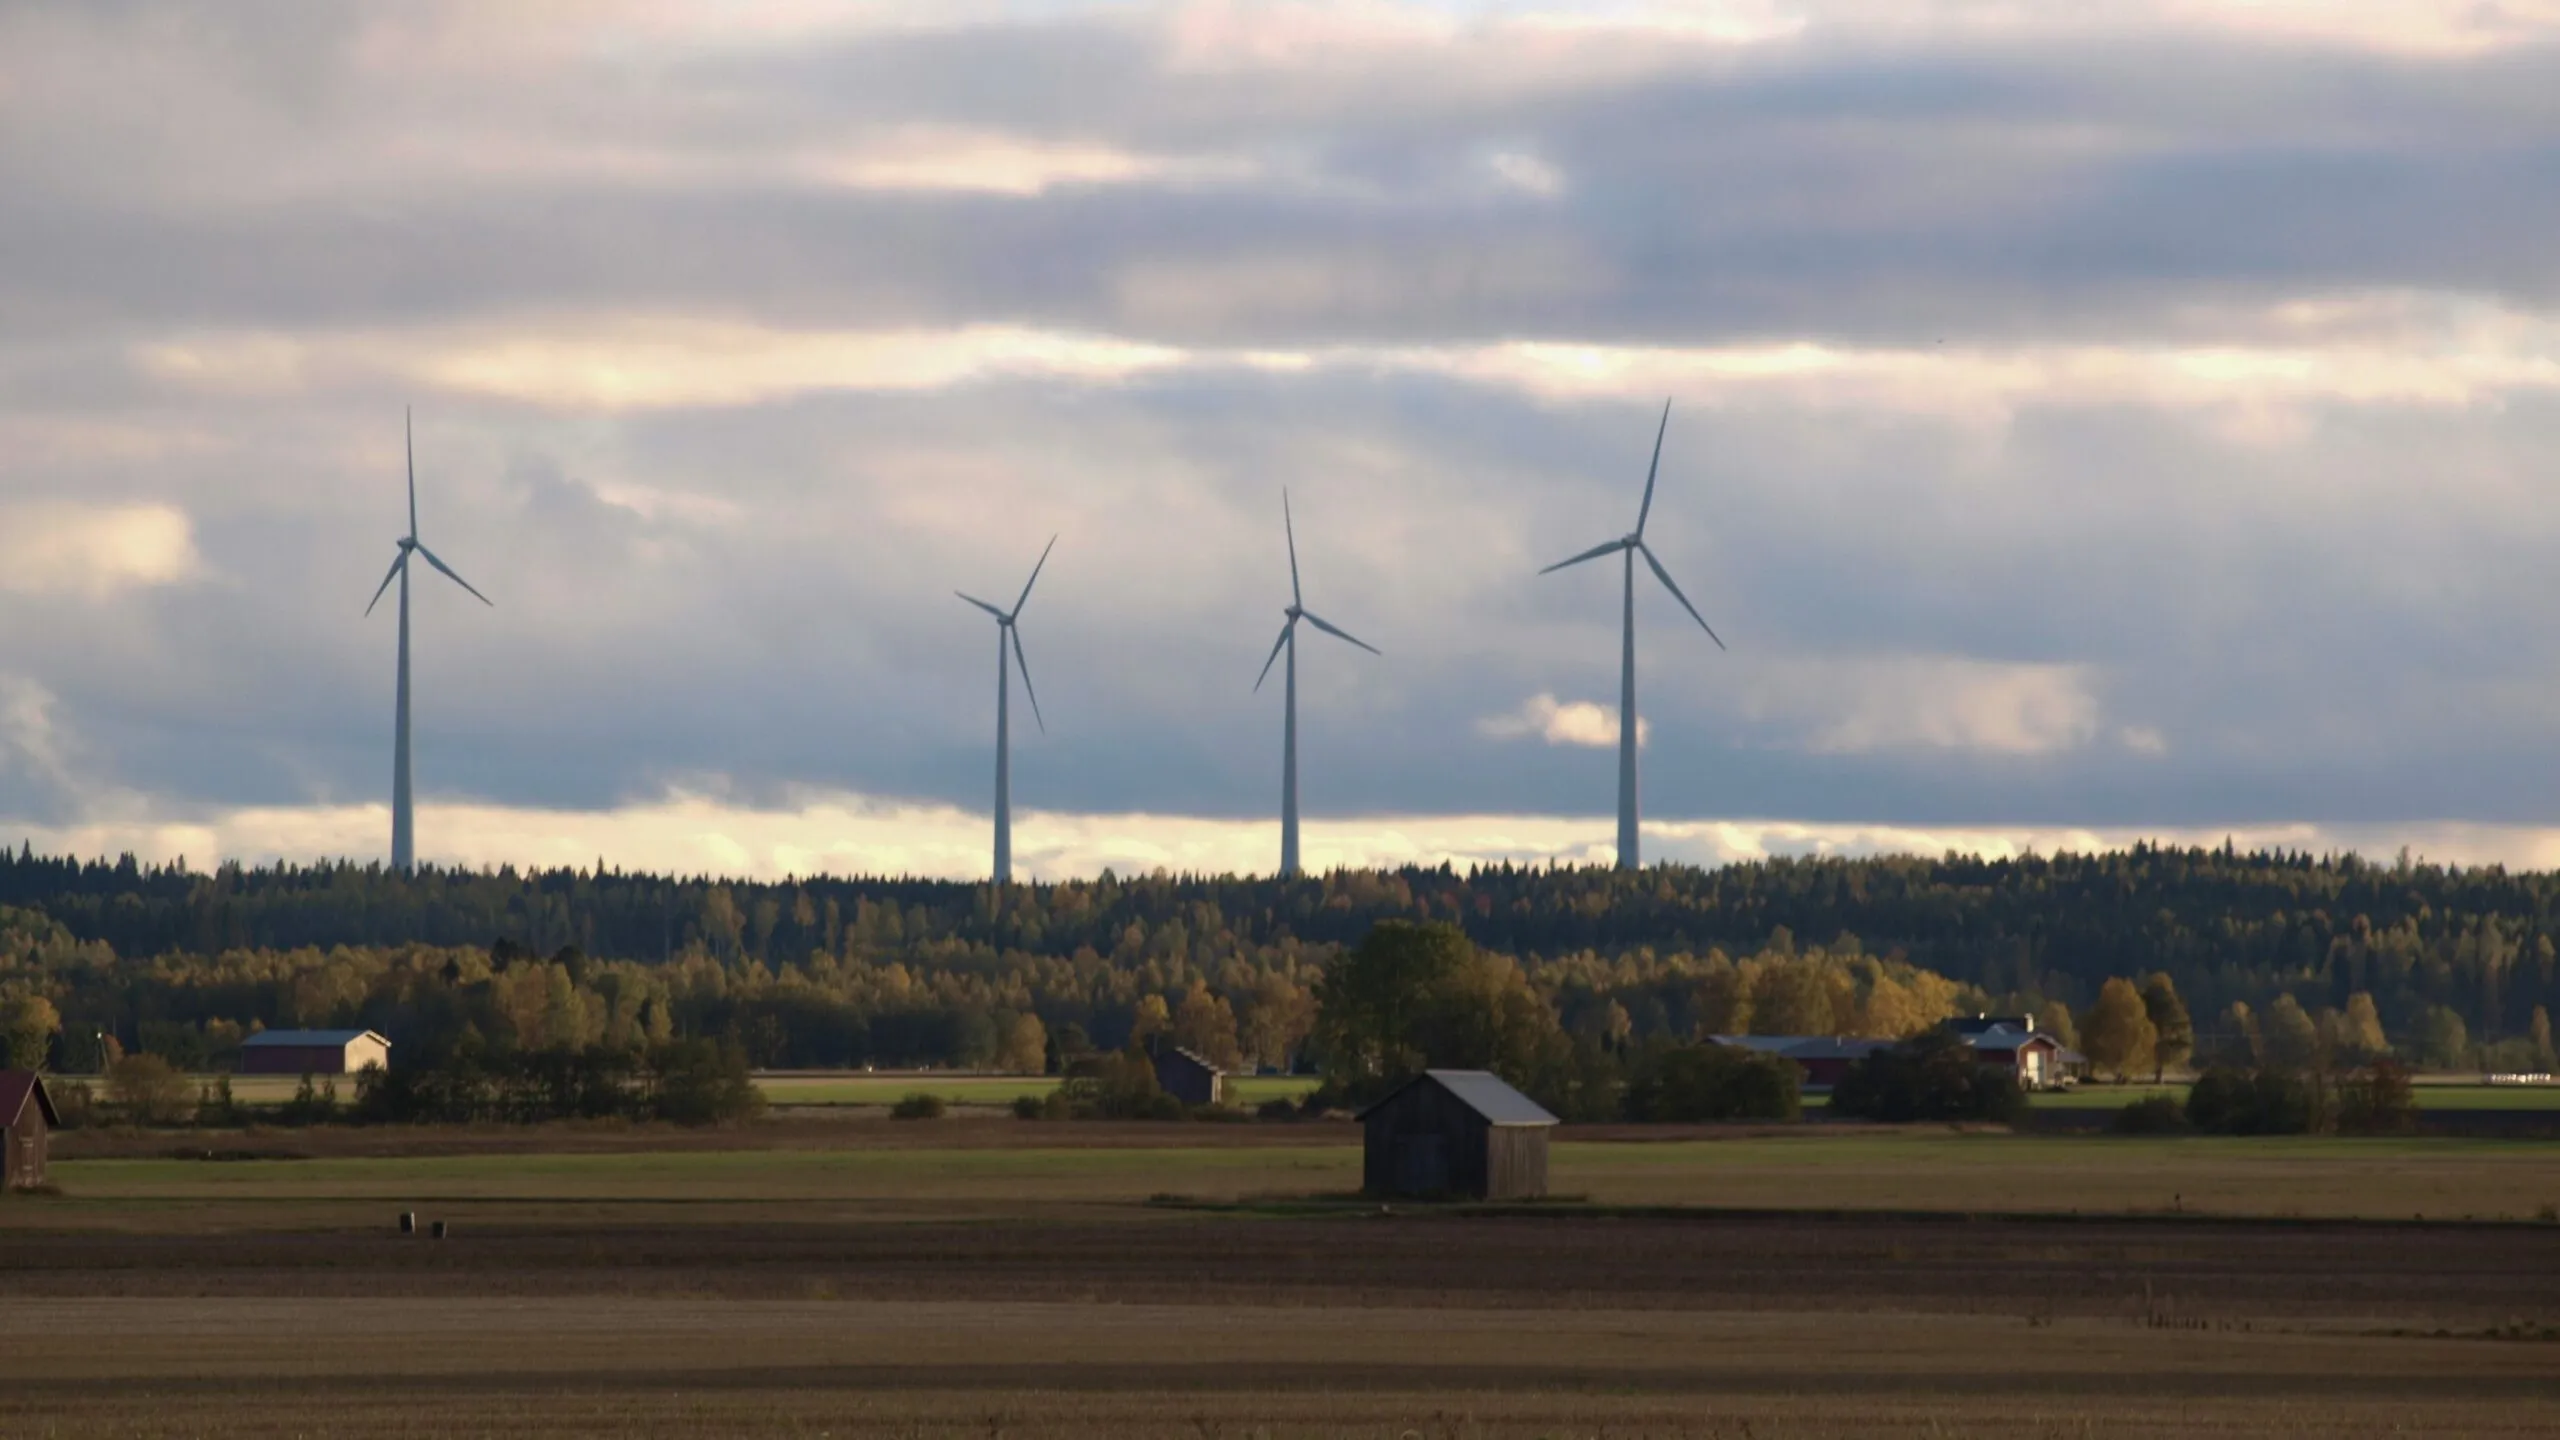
2292,1037
2444,1042
2174,1032
2538,1030
1410,996
2117,1033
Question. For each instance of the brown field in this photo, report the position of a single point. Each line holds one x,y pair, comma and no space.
965,1281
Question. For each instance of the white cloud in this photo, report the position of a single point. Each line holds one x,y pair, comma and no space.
989,162
55,547
1578,722
2144,740
1924,702
841,834
2396,349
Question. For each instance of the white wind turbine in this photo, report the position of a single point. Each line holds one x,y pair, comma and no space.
403,819
1633,544
1007,632
1288,641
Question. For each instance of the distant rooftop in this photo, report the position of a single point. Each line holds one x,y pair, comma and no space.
266,1038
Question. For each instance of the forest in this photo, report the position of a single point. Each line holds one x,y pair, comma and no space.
2455,965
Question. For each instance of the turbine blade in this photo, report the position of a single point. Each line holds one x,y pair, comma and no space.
1594,553
1665,577
1285,628
409,442
1025,666
1035,575
981,604
1653,469
1337,631
388,576
1296,596
456,579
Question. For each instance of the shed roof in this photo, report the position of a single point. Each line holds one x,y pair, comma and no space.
1195,1057
16,1088
265,1038
1482,1091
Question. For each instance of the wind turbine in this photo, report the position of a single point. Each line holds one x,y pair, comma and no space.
403,820
1633,544
1007,632
1288,641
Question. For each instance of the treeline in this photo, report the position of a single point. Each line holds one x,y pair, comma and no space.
2454,962
64,1002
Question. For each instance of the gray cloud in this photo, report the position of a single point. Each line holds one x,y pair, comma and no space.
2054,601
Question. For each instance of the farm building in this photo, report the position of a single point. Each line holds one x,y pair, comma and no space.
313,1052
1824,1059
2008,1042
1458,1133
1188,1077
26,1129
2016,1045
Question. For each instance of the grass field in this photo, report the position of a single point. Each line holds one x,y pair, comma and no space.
2431,1095
978,1277
835,1087
984,1163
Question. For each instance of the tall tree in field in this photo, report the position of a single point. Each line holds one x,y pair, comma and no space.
27,1024
2539,1032
1415,995
2117,1033
2175,1031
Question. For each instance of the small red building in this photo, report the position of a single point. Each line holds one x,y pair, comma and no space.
27,1122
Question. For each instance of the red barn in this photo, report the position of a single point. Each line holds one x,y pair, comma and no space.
27,1122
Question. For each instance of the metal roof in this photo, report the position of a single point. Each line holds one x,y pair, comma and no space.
16,1086
1479,1090
306,1037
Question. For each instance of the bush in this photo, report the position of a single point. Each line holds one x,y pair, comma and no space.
1277,1110
685,1082
918,1106
1030,1107
2378,1100
2230,1101
1116,1087
1929,1077
2156,1115
147,1090
1692,1083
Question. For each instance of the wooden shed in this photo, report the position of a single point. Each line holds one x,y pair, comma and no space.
27,1122
1188,1076
1458,1133
313,1052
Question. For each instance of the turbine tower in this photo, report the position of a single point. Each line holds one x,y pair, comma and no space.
1633,544
1288,641
403,819
1007,632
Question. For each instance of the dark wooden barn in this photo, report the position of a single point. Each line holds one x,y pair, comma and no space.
26,1129
1189,1077
1457,1133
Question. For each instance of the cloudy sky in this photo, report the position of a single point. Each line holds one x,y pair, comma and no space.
2136,423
